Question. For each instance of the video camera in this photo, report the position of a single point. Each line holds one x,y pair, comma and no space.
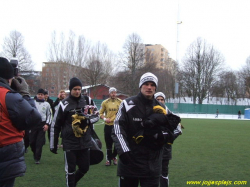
14,63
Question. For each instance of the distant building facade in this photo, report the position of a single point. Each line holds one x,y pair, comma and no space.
100,92
158,54
56,76
33,79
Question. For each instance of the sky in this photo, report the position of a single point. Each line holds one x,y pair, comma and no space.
225,24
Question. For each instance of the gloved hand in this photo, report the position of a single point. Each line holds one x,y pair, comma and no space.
125,158
173,120
76,125
158,119
54,150
159,137
19,84
179,129
147,123
159,109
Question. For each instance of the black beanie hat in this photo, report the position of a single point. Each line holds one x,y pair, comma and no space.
74,82
6,69
40,91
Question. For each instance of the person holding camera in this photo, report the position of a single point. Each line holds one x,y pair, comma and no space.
17,113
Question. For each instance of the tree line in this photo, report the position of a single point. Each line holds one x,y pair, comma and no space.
201,75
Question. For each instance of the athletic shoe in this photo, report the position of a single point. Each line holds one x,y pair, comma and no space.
108,163
114,161
37,162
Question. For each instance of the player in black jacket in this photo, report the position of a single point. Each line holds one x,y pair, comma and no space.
140,160
73,120
167,150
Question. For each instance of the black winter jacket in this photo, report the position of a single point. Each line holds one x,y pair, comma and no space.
62,121
145,161
167,150
51,103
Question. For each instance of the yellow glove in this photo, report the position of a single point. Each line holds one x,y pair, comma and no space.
78,131
159,109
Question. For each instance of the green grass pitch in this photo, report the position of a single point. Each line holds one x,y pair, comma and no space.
208,150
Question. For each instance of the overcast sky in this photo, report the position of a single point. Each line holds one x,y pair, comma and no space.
223,23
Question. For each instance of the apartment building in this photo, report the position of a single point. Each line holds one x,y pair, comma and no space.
160,55
56,76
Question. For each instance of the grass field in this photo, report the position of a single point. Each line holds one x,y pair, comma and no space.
208,150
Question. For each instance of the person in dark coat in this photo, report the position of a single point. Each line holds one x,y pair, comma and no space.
17,113
239,114
37,134
217,113
60,97
50,101
167,150
73,120
138,136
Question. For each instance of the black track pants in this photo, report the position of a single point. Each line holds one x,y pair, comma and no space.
73,158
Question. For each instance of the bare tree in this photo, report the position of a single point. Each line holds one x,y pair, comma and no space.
132,59
241,85
99,65
200,69
13,46
228,81
66,54
72,50
122,79
244,75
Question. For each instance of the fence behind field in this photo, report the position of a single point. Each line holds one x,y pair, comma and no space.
198,108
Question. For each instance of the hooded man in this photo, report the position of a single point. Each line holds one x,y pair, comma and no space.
167,150
17,113
73,120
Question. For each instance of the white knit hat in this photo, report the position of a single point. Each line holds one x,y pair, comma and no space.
160,94
112,89
146,77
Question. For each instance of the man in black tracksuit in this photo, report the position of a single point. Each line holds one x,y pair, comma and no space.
71,118
140,161
167,150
